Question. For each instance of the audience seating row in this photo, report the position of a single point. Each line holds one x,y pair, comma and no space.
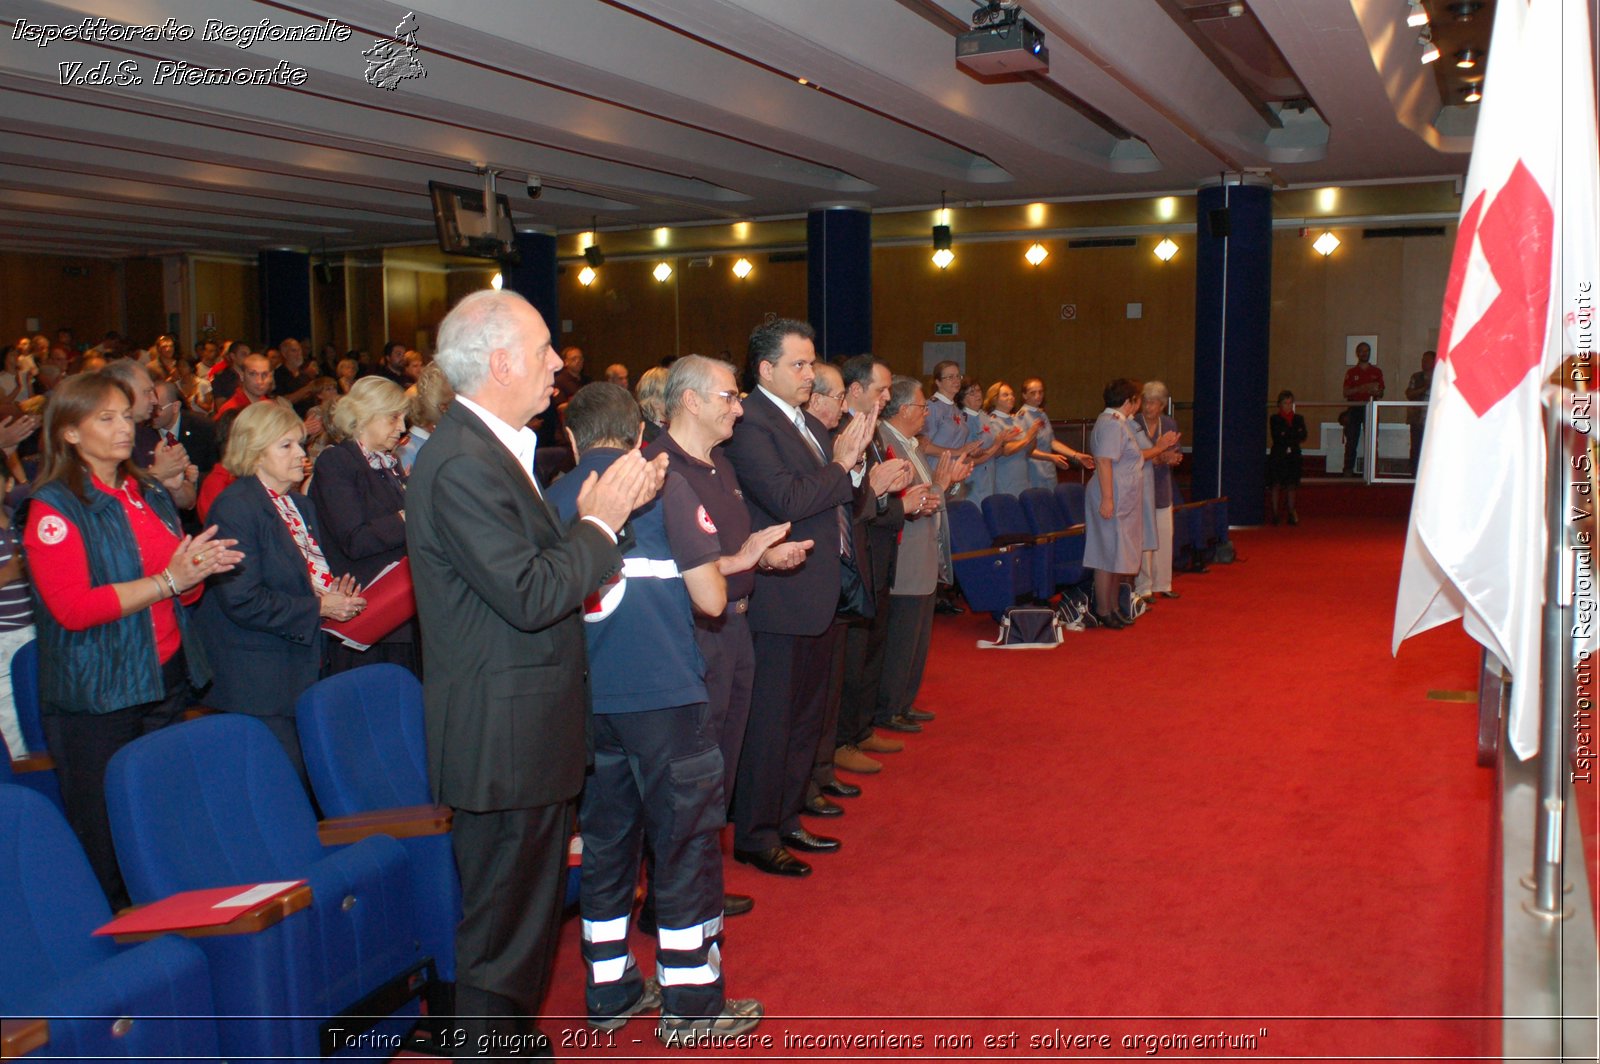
1026,548
216,802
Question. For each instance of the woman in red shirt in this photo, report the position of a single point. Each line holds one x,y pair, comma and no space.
107,556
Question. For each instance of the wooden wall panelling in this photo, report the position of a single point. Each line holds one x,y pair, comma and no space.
60,291
230,291
146,319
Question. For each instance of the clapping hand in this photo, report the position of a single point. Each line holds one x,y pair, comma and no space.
198,557
343,600
893,474
13,430
851,445
756,545
627,484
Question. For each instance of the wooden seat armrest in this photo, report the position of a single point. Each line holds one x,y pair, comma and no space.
195,712
1192,505
402,823
985,552
33,763
1061,533
21,1037
251,921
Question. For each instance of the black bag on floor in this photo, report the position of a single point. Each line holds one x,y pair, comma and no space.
1026,627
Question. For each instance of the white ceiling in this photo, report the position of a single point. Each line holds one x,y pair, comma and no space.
662,112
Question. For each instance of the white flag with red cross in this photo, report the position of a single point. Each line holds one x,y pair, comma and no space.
1520,299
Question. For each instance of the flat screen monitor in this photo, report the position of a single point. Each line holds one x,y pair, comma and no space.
463,226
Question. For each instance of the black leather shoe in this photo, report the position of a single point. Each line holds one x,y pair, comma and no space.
946,606
1169,594
774,862
1110,620
899,724
806,842
918,715
840,789
737,904
820,806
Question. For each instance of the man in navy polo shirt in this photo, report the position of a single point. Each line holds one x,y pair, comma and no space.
657,771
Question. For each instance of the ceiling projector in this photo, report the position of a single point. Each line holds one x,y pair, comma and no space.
1002,42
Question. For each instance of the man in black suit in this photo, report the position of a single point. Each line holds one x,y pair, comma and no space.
787,476
500,583
170,423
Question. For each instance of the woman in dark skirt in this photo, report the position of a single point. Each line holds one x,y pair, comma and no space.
1283,463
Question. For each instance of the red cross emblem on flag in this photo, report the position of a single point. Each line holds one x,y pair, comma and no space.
1515,234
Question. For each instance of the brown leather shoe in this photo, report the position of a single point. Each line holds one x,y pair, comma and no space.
880,744
851,759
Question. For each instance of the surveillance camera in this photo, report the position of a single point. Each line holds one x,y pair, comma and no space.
535,186
1235,10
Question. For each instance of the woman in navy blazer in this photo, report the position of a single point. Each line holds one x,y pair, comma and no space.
359,490
262,623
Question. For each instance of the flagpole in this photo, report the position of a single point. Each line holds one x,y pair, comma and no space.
1556,667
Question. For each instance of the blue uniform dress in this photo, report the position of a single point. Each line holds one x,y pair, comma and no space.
1011,476
657,772
1115,544
1041,473
980,430
946,425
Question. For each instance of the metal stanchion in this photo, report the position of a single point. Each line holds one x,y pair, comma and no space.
1556,667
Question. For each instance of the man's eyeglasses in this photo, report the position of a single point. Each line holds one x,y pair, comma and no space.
828,395
917,406
731,395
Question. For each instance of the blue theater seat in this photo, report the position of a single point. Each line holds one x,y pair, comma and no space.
361,733
985,573
215,802
1008,526
98,1000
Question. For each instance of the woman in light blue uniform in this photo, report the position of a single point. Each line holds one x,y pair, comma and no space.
981,435
1011,463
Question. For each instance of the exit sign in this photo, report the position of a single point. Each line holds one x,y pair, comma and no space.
944,328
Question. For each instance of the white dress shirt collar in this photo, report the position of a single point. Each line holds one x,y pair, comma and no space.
520,441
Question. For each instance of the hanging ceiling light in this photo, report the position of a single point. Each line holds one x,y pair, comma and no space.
1326,244
586,276
742,268
1468,58
661,272
1036,254
942,255
1166,249
1418,16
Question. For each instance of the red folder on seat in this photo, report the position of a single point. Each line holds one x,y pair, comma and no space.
211,907
390,603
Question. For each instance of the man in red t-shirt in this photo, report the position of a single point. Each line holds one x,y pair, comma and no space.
1362,381
255,384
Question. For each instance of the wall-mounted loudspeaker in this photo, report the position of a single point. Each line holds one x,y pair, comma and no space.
1217,222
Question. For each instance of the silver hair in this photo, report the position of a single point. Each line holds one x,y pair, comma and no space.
692,373
1155,390
902,390
476,326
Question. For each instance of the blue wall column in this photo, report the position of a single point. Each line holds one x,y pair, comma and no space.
285,282
1232,319
534,278
839,278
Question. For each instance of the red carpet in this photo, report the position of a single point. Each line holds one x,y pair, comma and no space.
1241,818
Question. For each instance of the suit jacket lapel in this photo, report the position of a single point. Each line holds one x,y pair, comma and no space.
479,432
